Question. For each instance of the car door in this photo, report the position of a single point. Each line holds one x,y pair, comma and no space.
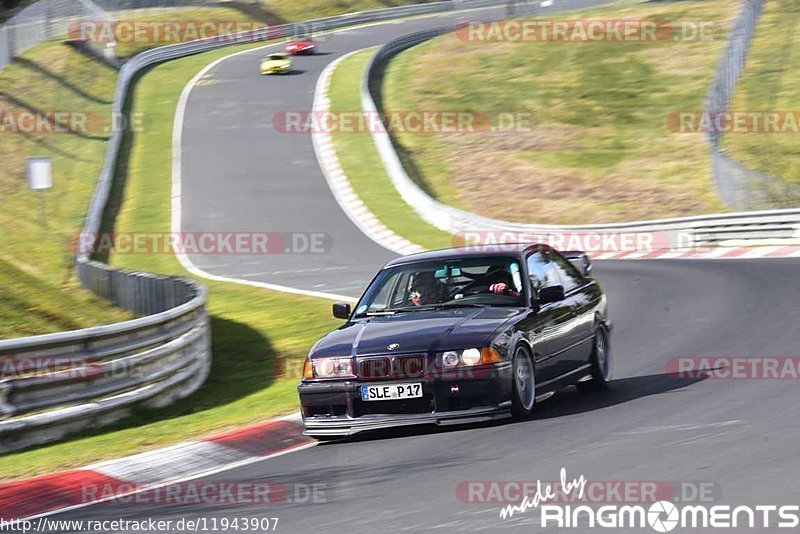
546,325
578,297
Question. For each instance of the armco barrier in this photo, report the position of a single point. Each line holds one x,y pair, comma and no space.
775,226
59,383
55,384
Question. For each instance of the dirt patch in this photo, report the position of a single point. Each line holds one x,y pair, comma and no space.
494,182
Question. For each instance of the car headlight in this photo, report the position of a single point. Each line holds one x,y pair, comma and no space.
330,368
450,358
470,357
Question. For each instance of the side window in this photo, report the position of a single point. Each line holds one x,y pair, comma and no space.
570,277
542,271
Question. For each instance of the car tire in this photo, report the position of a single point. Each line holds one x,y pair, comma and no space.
602,363
523,380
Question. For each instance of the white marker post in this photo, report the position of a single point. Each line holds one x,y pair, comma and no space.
39,172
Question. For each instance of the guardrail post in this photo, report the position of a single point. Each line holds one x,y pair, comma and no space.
6,409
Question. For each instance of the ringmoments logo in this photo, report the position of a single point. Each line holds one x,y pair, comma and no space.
661,516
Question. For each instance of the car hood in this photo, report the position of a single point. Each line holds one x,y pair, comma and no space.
300,44
416,332
275,62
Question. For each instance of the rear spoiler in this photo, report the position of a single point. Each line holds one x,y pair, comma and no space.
580,260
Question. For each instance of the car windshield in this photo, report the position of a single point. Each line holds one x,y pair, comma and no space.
276,57
485,281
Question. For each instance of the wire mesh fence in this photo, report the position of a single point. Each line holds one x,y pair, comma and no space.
42,21
49,19
738,186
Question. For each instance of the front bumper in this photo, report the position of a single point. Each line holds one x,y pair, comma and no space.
335,408
347,426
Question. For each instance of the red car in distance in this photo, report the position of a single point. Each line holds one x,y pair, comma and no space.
302,45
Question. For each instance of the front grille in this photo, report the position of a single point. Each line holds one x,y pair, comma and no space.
376,368
396,367
333,410
423,404
409,367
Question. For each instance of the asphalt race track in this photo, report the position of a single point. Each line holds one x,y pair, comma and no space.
738,436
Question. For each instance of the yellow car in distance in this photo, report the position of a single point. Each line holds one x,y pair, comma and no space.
277,63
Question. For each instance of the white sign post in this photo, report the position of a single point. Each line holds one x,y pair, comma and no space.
39,172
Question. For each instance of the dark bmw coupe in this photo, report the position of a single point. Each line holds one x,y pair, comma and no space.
456,336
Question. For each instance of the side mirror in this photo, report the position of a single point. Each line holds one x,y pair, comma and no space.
583,264
550,294
580,260
341,310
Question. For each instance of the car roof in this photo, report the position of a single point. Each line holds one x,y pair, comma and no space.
472,251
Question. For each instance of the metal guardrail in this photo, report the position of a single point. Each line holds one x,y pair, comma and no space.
60,383
775,226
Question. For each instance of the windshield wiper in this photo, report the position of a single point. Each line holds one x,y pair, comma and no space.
445,305
387,313
424,307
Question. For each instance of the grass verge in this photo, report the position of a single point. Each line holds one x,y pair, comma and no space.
598,148
362,164
770,84
34,256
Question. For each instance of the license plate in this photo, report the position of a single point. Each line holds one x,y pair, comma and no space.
391,392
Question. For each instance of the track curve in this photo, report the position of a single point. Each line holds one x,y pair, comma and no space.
741,436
